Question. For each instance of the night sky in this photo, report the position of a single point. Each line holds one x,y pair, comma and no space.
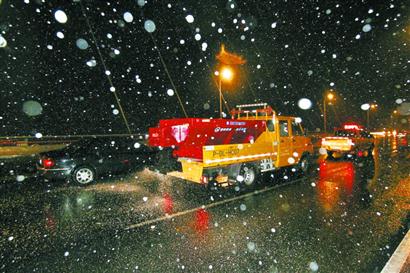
294,50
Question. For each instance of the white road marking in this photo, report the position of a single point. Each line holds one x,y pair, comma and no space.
397,261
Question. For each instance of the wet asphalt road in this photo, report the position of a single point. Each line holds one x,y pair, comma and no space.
347,216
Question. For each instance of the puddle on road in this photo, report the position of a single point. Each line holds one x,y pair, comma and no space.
124,187
138,182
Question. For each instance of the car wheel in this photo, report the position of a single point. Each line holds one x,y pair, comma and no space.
212,186
304,164
249,173
330,155
84,175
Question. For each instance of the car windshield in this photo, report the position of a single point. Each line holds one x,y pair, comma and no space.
204,136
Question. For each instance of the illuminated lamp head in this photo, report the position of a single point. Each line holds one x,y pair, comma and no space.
226,74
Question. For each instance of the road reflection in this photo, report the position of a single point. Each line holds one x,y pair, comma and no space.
335,179
168,204
70,209
393,145
201,217
343,182
50,222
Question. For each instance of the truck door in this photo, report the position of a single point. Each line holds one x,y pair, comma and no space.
285,143
298,139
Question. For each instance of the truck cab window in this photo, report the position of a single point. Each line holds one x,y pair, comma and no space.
270,125
296,129
283,127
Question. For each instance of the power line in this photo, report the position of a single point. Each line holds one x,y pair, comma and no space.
169,76
226,104
105,68
72,136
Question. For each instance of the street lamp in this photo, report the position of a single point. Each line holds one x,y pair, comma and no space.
327,98
225,74
392,118
372,107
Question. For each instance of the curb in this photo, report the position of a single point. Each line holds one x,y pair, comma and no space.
399,262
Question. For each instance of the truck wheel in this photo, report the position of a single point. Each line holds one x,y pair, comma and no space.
249,173
83,175
212,186
370,152
304,164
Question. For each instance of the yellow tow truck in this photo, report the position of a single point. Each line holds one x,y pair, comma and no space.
230,151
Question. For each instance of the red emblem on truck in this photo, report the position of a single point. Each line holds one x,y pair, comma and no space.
180,132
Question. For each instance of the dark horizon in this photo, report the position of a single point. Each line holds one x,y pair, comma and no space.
292,52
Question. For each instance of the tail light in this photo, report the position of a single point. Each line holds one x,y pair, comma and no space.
359,153
204,179
48,163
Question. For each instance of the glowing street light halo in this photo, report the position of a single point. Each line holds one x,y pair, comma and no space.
330,96
226,74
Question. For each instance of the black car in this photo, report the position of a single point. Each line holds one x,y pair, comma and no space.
85,160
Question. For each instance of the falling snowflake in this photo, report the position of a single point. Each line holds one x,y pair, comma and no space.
128,17
20,178
304,104
91,63
313,266
170,92
60,35
3,41
60,16
81,44
367,28
189,18
149,26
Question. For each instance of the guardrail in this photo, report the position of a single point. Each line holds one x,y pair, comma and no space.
69,136
12,146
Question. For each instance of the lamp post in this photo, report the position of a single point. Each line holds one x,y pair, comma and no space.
329,97
371,107
392,118
225,74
